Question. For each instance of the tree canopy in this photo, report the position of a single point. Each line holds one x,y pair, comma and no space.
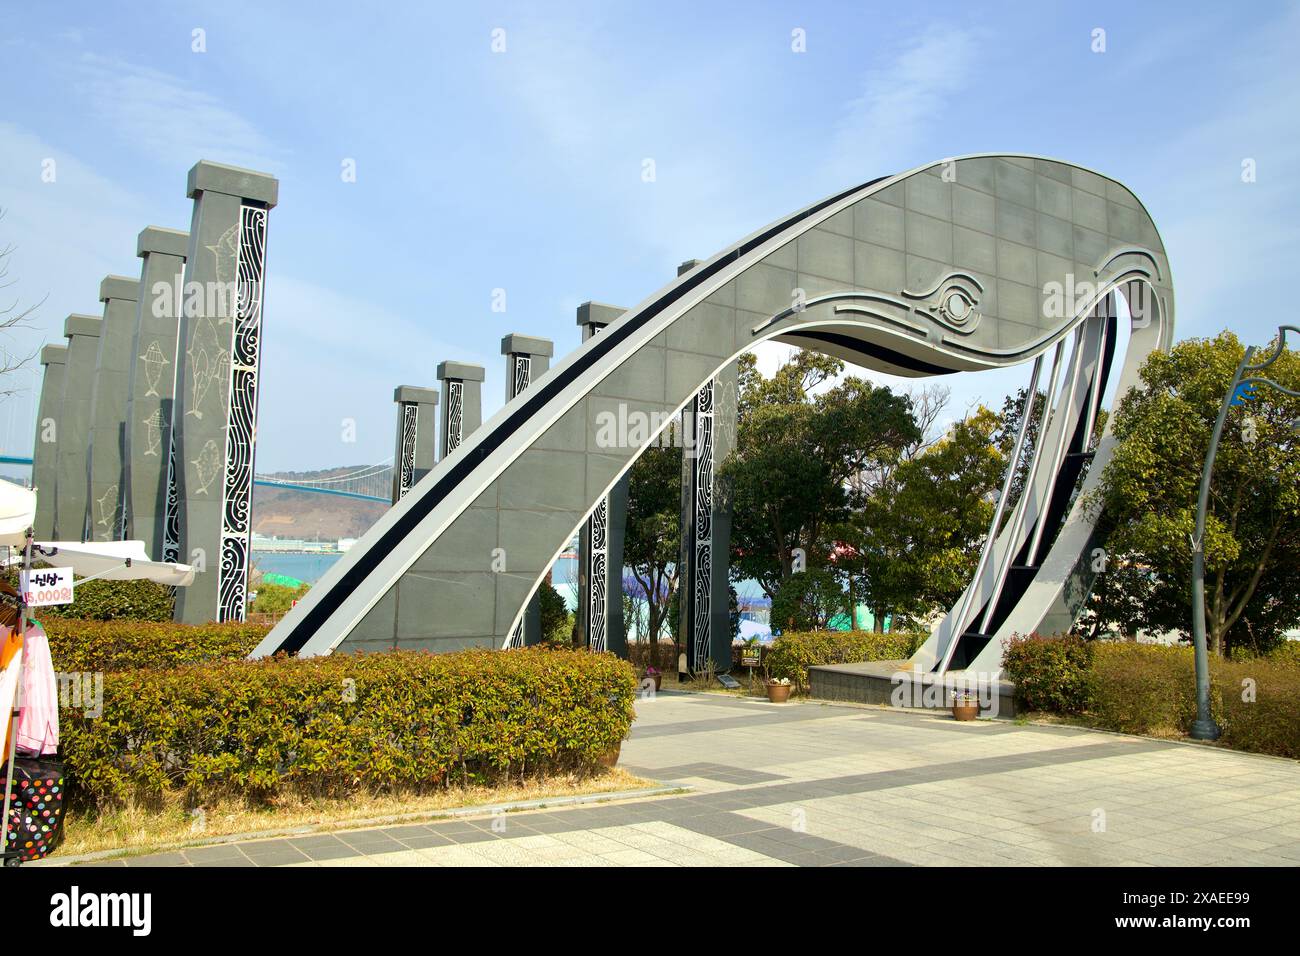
1149,492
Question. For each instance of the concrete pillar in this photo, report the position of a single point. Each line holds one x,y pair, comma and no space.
215,415
415,452
709,423
82,332
108,407
527,359
462,402
600,544
150,452
45,454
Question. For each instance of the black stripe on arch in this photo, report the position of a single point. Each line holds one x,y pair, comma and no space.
870,350
535,399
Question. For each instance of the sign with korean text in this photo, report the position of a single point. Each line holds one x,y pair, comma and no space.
42,587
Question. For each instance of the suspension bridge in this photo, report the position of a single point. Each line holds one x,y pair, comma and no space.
371,483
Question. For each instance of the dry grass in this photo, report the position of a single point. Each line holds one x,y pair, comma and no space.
138,829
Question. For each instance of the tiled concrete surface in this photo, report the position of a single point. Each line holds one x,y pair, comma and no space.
814,784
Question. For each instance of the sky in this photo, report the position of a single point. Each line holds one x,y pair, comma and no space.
522,169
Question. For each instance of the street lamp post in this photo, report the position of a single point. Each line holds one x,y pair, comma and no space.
1240,391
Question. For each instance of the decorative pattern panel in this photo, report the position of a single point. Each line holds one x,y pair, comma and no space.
241,434
597,571
702,504
406,459
455,415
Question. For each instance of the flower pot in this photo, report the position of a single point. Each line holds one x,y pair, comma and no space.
610,757
965,709
779,693
658,679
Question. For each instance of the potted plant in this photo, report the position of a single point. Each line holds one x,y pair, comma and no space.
654,674
965,705
778,689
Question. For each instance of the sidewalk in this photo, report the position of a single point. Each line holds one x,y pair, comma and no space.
819,784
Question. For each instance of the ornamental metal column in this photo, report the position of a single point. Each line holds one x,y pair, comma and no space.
215,415
108,407
415,451
462,402
73,438
150,468
45,456
600,543
709,427
527,359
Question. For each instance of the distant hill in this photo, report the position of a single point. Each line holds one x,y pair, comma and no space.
300,514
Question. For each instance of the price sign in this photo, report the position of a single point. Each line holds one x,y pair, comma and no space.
46,586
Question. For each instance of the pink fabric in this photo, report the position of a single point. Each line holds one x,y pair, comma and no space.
38,718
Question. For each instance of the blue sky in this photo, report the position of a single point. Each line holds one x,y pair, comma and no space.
522,170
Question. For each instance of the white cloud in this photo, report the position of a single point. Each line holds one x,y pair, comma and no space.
162,116
902,99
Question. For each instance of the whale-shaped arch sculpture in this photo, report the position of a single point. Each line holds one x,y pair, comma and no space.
980,262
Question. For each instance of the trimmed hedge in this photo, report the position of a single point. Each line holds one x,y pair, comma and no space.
1151,689
794,652
102,600
343,724
92,646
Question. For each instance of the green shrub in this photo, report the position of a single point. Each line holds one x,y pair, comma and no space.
1050,673
794,652
276,599
92,646
1150,689
1143,688
345,724
101,600
1258,704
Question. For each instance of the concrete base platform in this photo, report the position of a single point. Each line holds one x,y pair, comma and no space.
898,684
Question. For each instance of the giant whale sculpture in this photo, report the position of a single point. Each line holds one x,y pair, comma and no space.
979,262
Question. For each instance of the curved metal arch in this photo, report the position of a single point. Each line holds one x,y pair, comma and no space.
419,577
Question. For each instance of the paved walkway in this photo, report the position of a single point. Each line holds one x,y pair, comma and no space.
814,784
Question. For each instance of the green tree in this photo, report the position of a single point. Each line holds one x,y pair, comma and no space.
556,620
918,538
796,453
653,536
1148,495
807,601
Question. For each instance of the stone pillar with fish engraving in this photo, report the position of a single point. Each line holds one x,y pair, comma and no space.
107,408
150,453
73,431
214,417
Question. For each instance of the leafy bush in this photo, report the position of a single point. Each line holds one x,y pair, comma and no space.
92,646
1143,688
1151,689
1258,704
343,724
1050,673
794,652
276,599
101,600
